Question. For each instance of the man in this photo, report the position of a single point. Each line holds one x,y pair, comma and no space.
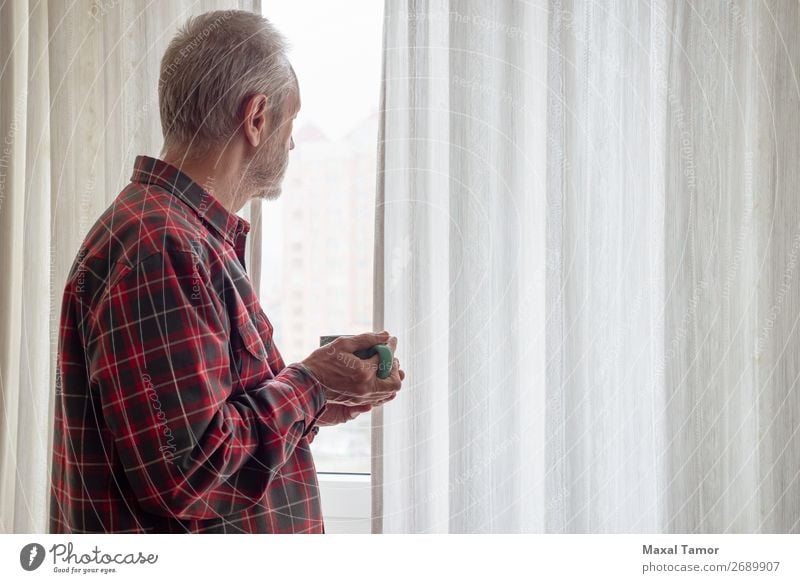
175,411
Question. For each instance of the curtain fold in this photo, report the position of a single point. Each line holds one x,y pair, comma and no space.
462,172
588,238
78,101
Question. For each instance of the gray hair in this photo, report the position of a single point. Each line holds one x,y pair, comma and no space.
214,62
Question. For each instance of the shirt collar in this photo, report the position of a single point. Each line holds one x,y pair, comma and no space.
149,170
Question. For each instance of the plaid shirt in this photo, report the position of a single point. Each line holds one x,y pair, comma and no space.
174,409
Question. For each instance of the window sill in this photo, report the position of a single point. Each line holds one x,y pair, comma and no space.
346,502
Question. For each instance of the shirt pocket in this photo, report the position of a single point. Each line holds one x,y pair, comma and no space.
250,338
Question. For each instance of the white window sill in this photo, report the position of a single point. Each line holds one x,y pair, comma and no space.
346,502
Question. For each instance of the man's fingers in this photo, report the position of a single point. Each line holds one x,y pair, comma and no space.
359,341
372,363
374,390
396,371
363,400
358,410
390,384
387,399
337,413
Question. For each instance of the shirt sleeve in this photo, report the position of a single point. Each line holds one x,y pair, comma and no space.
189,447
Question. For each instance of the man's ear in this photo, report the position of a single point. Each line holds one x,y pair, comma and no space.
255,118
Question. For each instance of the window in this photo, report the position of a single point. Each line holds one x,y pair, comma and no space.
318,236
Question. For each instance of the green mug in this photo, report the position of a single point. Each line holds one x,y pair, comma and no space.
382,350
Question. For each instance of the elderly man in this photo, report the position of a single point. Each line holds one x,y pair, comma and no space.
175,411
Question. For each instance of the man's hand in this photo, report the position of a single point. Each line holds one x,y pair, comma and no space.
336,413
349,380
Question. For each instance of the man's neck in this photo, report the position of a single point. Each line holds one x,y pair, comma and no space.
216,173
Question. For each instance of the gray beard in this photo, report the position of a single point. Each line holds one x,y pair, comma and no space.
271,193
265,183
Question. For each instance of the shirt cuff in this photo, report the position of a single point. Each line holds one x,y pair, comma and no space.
311,386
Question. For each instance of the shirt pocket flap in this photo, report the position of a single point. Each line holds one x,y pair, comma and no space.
251,339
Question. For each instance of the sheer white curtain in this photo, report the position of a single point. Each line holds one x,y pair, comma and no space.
78,101
588,229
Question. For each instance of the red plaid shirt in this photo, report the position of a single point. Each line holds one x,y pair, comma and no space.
174,409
